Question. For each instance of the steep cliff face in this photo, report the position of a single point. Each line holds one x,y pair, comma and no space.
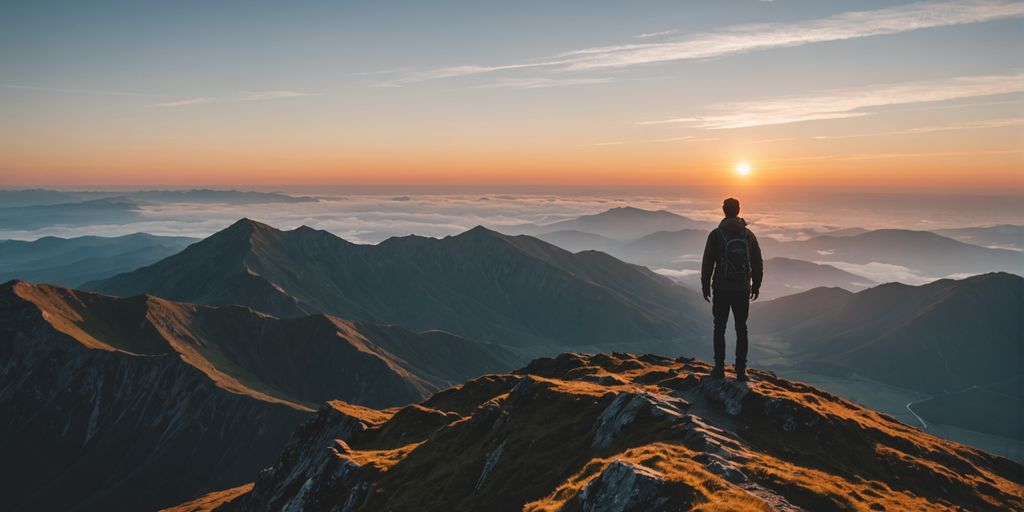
622,433
83,428
131,404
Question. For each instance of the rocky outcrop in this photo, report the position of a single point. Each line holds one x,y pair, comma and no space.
313,465
626,487
661,435
627,407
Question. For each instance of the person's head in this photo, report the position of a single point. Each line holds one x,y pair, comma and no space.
731,207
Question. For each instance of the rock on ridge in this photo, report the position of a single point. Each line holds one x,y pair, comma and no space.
660,435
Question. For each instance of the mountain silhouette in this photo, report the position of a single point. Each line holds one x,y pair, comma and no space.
515,290
923,255
998,236
41,197
108,210
103,395
939,337
678,253
625,433
622,223
789,276
924,252
74,261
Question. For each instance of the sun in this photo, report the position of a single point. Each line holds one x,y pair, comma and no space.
743,169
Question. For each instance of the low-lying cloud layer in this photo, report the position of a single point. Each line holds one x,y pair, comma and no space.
373,218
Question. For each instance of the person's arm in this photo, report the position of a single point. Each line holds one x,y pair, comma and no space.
756,267
707,266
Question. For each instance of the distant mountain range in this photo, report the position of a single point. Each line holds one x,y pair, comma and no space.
623,433
924,252
74,261
957,342
34,209
114,210
102,395
678,254
939,337
789,276
39,196
1005,236
869,256
621,223
515,290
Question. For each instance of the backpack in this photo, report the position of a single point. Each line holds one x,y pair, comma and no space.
734,257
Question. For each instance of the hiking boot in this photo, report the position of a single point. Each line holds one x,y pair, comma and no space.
741,374
718,372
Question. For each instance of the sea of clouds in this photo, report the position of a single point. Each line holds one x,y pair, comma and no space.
373,218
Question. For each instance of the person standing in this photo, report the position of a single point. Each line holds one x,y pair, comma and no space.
730,277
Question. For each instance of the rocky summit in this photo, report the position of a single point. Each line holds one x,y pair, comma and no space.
618,432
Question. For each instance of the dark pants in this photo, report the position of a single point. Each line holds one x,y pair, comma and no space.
739,302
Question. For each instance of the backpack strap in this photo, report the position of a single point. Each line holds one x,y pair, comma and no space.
725,234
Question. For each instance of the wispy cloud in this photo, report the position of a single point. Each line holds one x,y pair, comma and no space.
649,35
244,97
753,37
452,72
846,103
542,82
885,156
187,101
971,125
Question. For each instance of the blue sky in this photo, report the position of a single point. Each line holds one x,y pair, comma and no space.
538,91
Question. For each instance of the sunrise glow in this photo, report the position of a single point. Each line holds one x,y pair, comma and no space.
655,100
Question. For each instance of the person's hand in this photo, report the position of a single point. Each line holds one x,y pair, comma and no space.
754,292
707,295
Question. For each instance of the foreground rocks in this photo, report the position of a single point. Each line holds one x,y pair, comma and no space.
617,433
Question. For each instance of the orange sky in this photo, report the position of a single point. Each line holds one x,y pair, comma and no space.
672,95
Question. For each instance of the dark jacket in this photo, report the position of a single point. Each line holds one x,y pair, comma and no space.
708,276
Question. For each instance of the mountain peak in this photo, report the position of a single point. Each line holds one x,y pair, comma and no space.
480,229
248,225
479,233
291,273
641,212
626,223
634,210
645,432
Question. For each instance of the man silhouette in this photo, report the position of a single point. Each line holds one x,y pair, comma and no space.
733,268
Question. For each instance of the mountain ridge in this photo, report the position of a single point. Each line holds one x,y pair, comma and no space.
104,395
218,340
878,332
619,223
622,432
74,261
516,290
